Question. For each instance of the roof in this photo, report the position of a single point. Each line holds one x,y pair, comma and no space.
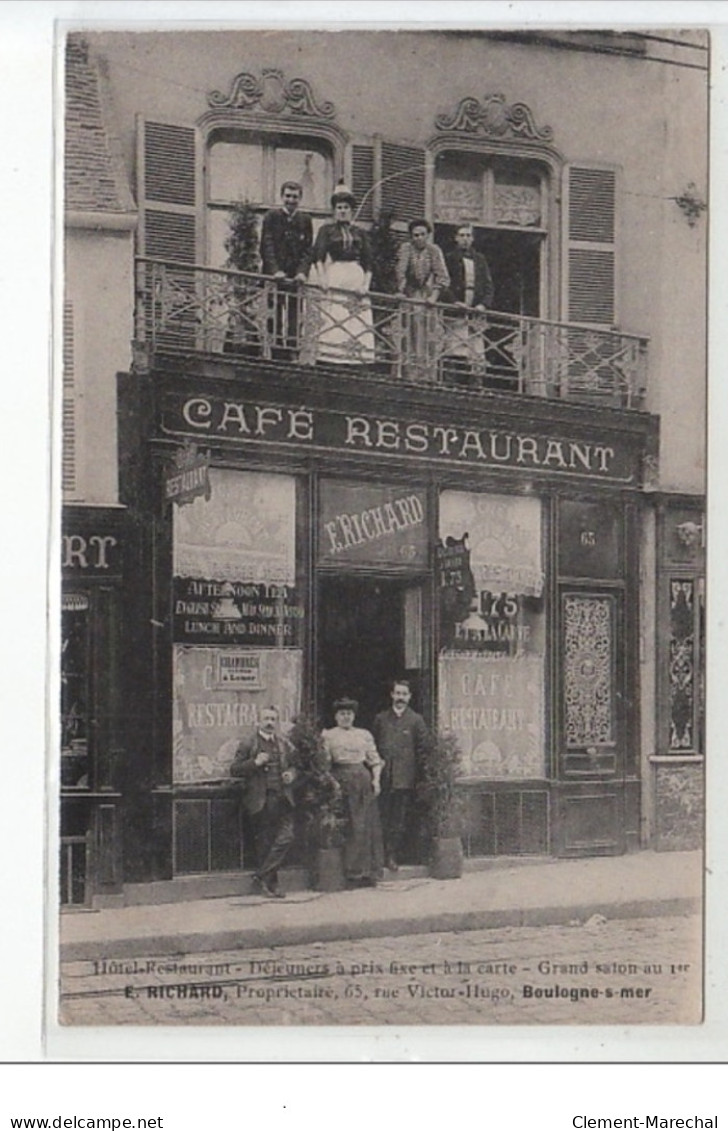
94,176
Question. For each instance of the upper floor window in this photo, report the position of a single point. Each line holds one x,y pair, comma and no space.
506,200
245,167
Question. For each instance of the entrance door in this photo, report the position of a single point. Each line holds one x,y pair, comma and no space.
591,795
370,632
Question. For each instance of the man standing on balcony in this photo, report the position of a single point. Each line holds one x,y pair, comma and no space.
471,290
401,736
265,762
286,243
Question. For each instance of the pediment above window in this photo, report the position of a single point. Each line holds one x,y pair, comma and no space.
492,117
272,95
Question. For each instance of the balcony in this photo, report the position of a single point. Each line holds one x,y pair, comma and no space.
181,308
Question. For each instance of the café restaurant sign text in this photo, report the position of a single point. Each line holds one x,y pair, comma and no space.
188,477
372,524
325,429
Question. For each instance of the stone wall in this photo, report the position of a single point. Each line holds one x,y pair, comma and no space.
679,804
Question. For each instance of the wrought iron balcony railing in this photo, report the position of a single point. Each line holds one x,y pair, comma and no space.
184,308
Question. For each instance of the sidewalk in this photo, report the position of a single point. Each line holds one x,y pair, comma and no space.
548,891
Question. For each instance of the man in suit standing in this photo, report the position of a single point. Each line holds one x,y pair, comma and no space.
285,245
265,762
401,736
471,289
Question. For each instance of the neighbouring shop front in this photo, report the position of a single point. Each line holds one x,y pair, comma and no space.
90,720
294,546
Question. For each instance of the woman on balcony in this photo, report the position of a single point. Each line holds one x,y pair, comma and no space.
421,275
339,326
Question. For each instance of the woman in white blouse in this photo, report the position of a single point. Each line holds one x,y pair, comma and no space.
355,762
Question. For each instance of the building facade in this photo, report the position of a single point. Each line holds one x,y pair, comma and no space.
309,492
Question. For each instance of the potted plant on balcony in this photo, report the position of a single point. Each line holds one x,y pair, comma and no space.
442,805
385,249
321,807
241,297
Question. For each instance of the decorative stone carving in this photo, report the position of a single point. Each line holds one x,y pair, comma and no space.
493,117
517,204
458,200
690,533
272,93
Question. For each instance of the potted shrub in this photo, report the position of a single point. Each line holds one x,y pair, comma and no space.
385,250
442,805
321,807
244,296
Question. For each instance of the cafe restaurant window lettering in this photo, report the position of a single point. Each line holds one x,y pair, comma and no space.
235,563
238,616
492,632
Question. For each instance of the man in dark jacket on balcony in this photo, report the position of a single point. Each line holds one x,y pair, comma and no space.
471,290
285,246
266,764
401,736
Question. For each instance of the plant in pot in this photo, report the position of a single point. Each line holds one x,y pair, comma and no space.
442,805
320,806
385,249
243,295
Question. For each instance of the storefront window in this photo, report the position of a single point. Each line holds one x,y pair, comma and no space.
238,617
492,632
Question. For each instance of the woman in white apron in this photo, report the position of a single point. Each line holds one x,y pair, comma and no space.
339,311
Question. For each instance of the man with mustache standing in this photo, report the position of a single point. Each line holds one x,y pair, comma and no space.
265,762
401,736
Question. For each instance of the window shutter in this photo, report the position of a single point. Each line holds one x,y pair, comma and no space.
68,423
362,180
168,172
591,210
403,181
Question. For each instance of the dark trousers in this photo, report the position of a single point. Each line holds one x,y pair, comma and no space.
274,833
287,318
395,807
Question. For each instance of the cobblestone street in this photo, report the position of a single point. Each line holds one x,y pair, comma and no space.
641,971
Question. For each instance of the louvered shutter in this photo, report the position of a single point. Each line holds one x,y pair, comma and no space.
591,214
168,168
362,180
169,171
402,189
68,423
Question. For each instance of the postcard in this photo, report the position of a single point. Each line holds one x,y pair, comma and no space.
381,618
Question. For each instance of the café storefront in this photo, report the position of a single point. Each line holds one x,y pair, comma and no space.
301,543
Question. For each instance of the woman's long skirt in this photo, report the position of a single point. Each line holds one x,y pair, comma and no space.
339,324
422,339
363,847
